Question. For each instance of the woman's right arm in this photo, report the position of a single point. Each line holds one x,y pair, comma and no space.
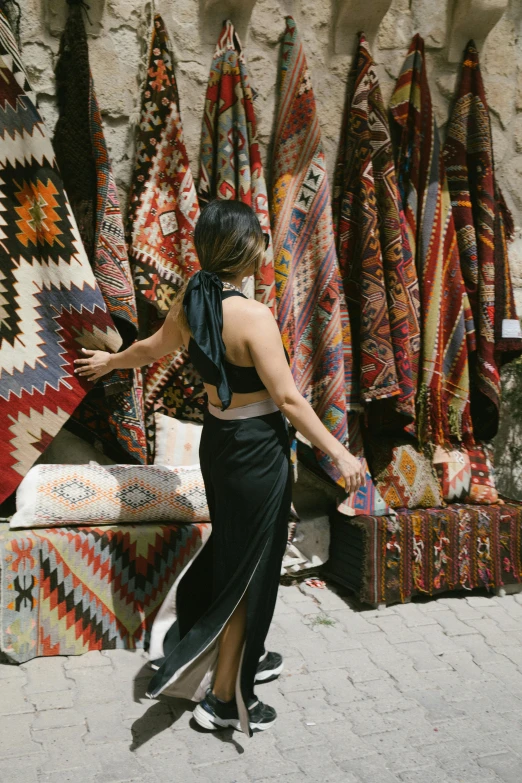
98,363
266,349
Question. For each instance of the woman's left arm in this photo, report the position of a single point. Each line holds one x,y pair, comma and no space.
98,363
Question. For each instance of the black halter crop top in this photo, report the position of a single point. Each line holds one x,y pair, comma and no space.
242,380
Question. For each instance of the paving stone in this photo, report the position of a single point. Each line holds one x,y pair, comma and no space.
87,660
15,737
45,674
105,724
12,699
19,770
413,615
169,767
94,685
369,770
12,672
479,650
422,657
360,668
315,761
453,626
493,634
117,765
314,707
52,700
292,732
65,749
396,630
506,766
74,775
439,642
57,719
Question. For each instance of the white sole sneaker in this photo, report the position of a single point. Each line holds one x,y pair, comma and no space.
213,723
270,674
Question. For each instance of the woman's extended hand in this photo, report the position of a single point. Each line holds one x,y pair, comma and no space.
93,367
352,471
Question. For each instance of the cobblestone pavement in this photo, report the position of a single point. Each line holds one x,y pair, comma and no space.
426,692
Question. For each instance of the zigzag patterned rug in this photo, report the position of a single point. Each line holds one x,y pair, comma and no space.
50,303
69,590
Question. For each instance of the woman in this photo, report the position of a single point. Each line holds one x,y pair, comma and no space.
225,600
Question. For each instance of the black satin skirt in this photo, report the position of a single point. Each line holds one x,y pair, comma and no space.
246,470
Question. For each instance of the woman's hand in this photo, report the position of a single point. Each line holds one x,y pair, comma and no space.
351,470
95,366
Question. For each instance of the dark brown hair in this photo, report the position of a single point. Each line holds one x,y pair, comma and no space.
228,240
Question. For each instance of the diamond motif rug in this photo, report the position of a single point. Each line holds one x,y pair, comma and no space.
443,407
311,308
484,260
69,590
230,160
50,303
379,275
163,210
83,159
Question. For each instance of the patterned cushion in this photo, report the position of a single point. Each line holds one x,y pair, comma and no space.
177,442
454,473
405,477
53,495
366,501
482,489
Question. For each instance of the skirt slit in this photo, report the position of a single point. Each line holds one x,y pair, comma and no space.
245,466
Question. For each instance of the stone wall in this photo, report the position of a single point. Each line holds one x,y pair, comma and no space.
119,36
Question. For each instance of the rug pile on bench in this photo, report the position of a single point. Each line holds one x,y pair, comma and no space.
68,590
387,560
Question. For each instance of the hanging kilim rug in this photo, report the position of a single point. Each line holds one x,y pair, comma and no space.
311,307
82,156
469,162
443,409
230,161
163,211
50,304
380,280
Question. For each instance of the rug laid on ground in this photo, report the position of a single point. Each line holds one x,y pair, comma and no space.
379,275
50,303
230,159
83,159
443,408
476,203
163,210
310,301
427,551
69,590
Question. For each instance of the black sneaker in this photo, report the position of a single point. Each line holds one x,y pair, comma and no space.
269,668
213,714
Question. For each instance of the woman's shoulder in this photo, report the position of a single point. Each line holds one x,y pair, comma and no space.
243,304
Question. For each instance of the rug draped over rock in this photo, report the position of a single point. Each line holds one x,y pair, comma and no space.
443,408
427,551
83,159
478,211
230,161
163,211
50,303
310,302
380,279
70,590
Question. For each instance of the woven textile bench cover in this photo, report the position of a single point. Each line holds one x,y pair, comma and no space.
67,590
427,551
